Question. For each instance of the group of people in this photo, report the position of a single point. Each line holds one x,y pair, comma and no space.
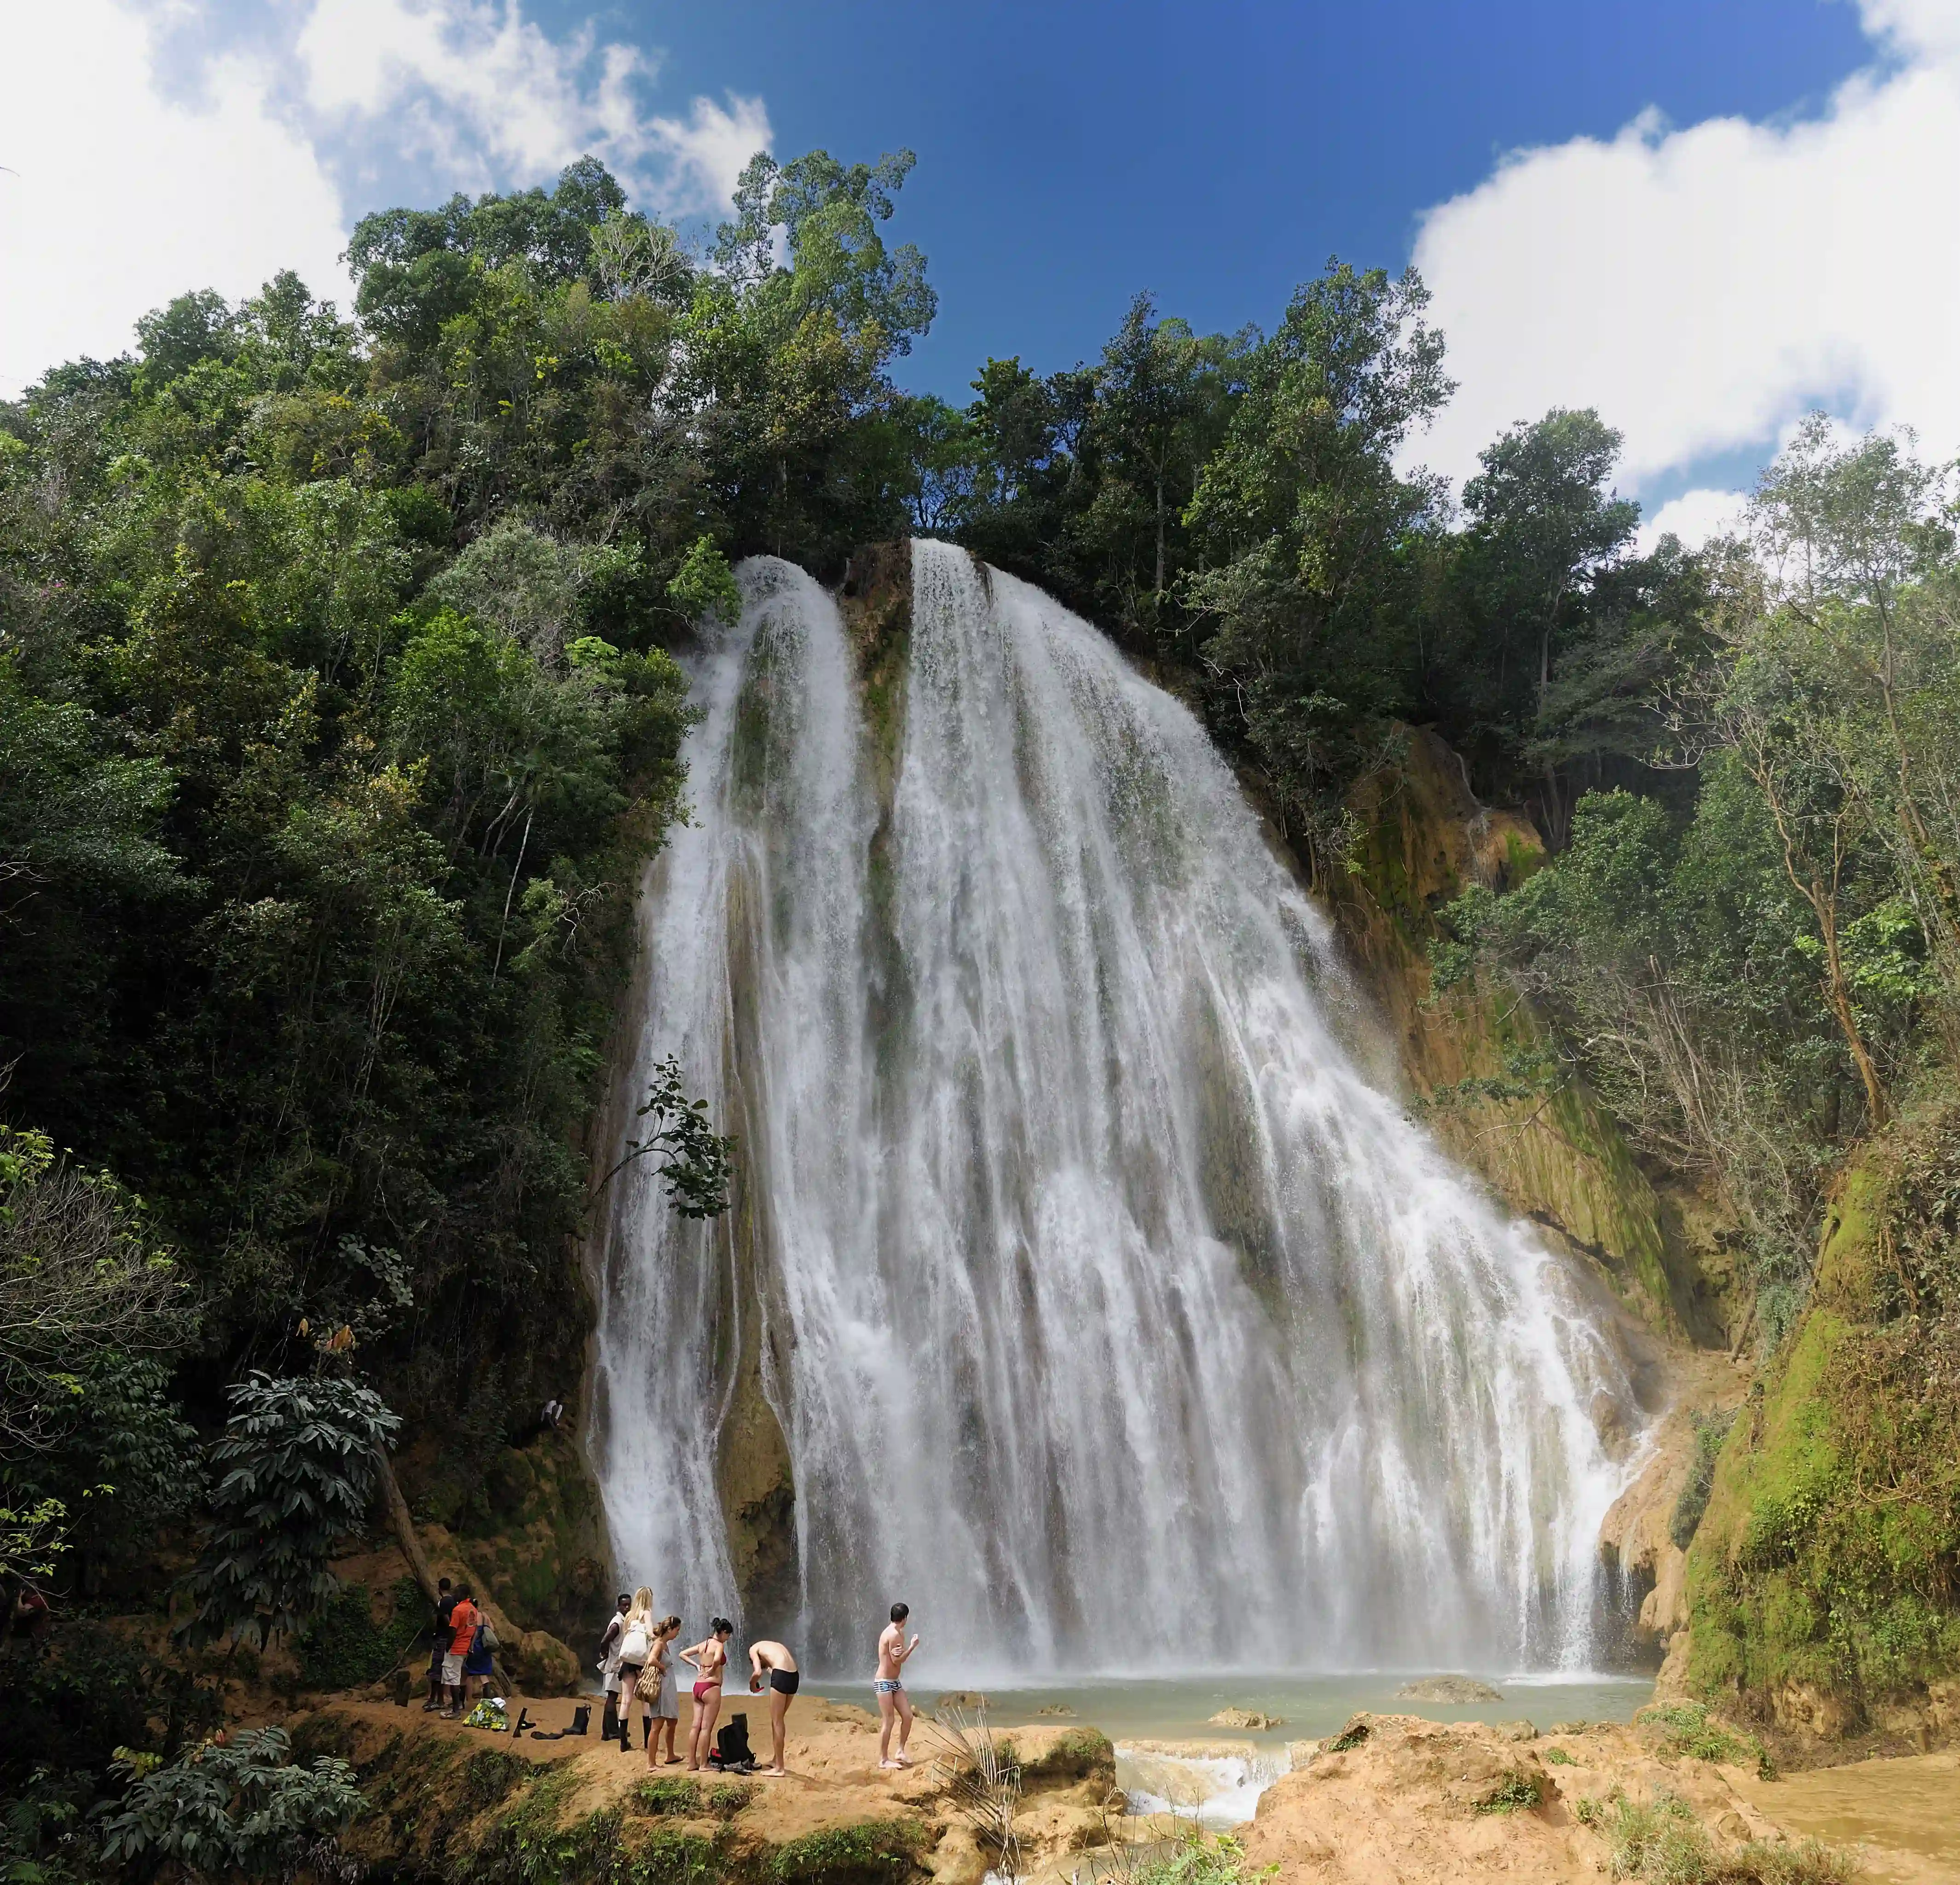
462,1653
637,1659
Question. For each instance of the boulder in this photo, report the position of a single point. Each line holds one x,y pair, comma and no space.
1245,1719
540,1664
1459,1690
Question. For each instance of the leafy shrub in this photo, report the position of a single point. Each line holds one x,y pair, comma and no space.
1195,1858
295,1474
671,1796
90,1693
671,1857
241,1808
487,1778
1659,1840
1557,1757
344,1648
39,1830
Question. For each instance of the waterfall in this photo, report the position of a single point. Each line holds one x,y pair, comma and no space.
1107,1311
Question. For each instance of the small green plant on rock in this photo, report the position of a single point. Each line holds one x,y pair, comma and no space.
667,1795
1710,1431
1660,1841
1519,1791
1195,1858
1686,1730
1557,1757
671,1857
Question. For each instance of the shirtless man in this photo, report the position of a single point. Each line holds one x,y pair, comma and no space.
775,1662
893,1652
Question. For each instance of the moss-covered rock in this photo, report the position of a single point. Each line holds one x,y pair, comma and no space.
1824,1582
534,1535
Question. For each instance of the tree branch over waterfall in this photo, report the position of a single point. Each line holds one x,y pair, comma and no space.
696,1161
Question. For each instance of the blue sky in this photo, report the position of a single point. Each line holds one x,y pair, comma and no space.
1702,218
1217,153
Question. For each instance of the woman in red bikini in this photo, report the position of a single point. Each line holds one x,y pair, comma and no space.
707,1659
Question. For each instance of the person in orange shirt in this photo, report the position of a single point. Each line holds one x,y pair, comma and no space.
463,1620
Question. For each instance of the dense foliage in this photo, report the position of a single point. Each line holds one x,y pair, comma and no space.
239,1809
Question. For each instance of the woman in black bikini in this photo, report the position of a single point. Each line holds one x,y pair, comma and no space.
707,1658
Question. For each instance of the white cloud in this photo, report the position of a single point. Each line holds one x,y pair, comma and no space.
123,200
1694,517
708,152
484,95
127,195
1702,286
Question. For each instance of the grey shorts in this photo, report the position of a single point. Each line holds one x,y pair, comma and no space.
452,1670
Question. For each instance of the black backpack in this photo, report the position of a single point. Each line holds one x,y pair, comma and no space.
731,1746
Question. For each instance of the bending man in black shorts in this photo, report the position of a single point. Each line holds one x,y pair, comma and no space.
774,1661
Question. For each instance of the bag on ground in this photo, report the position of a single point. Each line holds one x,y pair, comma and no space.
731,1743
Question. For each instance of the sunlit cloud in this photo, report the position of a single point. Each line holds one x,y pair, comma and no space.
1702,286
123,198
483,95
122,190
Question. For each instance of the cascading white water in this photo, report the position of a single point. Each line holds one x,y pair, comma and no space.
1111,1316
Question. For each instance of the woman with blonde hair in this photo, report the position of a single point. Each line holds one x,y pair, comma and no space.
636,1644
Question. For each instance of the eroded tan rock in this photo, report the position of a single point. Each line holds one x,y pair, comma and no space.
1419,1803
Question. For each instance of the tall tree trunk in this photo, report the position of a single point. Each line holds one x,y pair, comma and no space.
405,1525
1838,993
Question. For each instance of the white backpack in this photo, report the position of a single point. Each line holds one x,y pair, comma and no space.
633,1646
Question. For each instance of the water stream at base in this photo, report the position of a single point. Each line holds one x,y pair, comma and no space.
1110,1314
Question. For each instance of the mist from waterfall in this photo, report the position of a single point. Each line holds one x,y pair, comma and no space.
1112,1317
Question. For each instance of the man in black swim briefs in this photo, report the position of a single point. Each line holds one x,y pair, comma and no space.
773,1660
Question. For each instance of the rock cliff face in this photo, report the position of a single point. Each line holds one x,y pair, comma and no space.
1561,1162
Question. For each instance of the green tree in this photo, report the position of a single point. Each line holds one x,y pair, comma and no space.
1305,530
1543,526
293,1474
235,1809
